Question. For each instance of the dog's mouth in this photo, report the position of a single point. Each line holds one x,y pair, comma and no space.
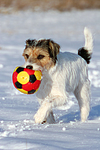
29,67
33,67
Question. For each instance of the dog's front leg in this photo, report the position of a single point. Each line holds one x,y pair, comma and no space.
43,112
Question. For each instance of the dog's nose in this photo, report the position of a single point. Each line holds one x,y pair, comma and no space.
29,67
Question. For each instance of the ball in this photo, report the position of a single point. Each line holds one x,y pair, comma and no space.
26,80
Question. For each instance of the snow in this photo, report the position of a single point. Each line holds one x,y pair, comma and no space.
17,127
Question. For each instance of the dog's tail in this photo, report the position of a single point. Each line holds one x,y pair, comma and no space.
86,51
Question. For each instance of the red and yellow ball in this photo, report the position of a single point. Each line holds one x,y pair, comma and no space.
26,80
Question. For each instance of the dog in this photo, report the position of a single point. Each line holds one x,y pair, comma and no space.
63,73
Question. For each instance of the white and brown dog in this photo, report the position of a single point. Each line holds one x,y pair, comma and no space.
62,73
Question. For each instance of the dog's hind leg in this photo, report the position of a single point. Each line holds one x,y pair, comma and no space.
82,94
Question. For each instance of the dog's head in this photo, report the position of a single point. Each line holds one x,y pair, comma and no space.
40,55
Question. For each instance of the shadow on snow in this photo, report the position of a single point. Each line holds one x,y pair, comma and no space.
75,116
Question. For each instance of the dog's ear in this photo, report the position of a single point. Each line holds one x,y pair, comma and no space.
31,43
53,49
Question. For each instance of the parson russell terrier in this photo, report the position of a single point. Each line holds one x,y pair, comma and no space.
63,73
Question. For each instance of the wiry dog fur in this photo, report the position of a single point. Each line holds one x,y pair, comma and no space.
62,73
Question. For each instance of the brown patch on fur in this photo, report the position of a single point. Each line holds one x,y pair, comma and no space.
42,52
33,54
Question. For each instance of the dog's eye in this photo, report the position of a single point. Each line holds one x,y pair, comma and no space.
40,56
27,56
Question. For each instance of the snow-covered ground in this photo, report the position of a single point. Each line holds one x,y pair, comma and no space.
17,128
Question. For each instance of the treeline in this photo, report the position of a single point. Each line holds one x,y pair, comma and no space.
61,5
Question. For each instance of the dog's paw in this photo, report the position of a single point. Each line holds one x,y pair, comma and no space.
39,118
